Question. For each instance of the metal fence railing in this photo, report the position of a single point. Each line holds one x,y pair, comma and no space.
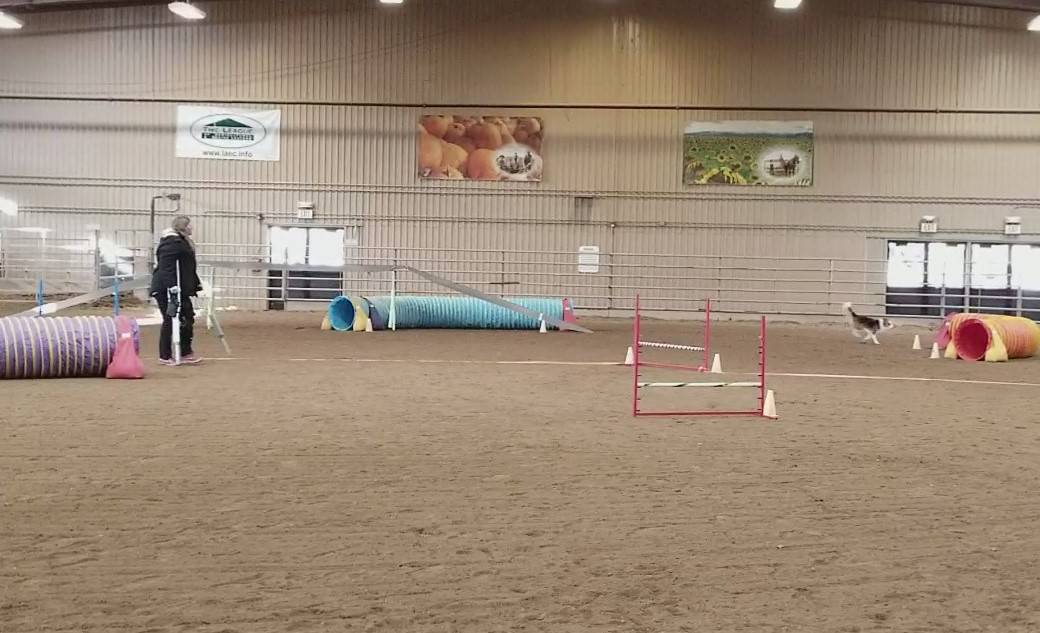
797,286
35,264
803,286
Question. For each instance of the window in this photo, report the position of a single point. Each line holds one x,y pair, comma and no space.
928,278
288,245
310,246
306,247
946,265
989,266
906,264
1025,267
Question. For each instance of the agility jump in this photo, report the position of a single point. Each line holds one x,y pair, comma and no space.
766,401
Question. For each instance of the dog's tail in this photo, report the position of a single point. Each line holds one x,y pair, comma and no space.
850,314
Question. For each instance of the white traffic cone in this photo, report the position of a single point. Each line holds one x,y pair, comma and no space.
935,351
917,342
716,364
368,325
769,406
630,358
541,328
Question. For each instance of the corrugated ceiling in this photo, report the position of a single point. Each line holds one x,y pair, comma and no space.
27,5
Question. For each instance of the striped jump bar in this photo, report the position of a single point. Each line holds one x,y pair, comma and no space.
688,348
643,385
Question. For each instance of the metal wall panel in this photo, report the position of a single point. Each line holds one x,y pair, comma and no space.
74,166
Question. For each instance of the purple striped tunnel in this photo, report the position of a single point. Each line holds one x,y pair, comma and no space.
58,347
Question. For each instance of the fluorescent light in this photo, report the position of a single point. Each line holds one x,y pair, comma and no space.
9,22
8,207
187,10
1034,24
391,1
787,4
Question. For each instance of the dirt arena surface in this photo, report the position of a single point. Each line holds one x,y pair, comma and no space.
263,494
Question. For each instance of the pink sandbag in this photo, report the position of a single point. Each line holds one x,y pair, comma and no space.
126,364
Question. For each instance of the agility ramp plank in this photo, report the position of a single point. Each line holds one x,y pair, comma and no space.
240,264
508,305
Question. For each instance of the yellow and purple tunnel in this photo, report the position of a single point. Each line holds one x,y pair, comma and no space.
989,337
58,347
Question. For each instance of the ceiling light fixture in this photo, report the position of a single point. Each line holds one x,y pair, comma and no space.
391,1
787,4
9,22
187,10
1034,24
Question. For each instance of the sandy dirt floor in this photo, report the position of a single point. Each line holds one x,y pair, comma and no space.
373,491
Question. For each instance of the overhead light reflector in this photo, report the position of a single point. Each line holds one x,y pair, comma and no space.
787,4
1034,24
187,10
9,22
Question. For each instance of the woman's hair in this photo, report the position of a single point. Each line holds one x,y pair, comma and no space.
180,223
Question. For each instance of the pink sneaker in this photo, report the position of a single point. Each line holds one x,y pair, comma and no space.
191,359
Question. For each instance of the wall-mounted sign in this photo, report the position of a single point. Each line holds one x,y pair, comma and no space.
588,259
776,153
228,134
481,148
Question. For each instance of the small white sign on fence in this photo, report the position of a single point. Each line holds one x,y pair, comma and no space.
588,259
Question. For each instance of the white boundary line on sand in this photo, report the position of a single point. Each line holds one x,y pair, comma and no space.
420,361
910,379
434,361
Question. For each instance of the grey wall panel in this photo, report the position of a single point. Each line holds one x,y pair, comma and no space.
74,166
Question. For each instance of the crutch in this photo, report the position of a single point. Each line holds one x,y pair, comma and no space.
173,311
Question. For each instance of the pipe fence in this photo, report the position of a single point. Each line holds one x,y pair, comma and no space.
604,282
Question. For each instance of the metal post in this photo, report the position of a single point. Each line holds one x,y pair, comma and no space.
1018,302
211,306
115,292
718,278
610,270
285,281
942,296
97,260
968,266
762,367
392,319
151,234
39,296
830,287
172,197
635,361
707,335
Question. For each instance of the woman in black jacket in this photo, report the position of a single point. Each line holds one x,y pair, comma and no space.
176,250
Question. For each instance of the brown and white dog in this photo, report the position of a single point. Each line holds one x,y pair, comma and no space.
864,327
